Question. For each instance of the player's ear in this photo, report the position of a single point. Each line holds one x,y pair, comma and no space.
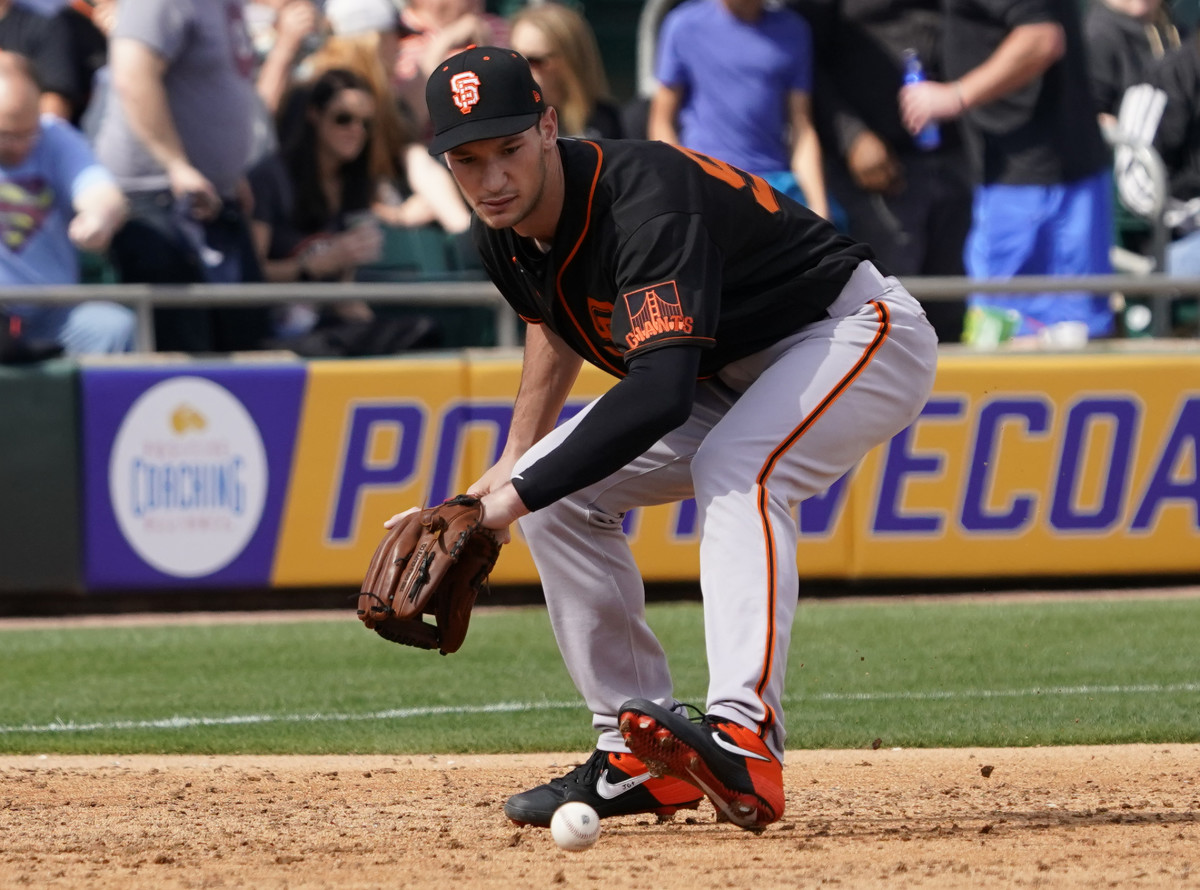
548,125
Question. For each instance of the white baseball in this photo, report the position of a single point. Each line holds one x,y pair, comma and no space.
575,826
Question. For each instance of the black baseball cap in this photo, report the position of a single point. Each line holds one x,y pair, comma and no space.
481,93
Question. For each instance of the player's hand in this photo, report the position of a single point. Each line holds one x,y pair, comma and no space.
923,103
496,476
501,508
873,166
389,523
191,186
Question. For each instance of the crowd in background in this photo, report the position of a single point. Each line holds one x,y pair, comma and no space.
188,141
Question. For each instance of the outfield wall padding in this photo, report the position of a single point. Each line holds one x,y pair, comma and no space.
39,478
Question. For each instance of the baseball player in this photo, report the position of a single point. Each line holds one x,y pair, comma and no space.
760,355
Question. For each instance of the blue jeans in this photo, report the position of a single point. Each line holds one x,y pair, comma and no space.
1063,229
1183,256
86,329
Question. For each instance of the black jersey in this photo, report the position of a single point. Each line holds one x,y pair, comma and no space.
658,246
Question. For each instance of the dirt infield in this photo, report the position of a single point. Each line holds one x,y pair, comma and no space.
1033,817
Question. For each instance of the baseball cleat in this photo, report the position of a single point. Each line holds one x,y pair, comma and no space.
727,761
612,784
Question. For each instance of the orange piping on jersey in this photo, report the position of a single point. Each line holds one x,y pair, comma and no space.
764,474
587,221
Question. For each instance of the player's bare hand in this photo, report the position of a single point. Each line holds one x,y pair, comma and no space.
873,166
497,475
501,508
390,523
923,103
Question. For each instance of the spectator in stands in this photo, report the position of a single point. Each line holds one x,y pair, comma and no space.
311,199
1044,201
45,41
102,19
1125,38
88,22
178,133
1169,119
55,199
911,203
433,31
735,82
562,52
415,189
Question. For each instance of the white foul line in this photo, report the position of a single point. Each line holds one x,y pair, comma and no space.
517,707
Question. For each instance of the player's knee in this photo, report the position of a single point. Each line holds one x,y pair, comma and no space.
713,470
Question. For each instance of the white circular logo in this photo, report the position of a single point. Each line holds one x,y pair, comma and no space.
188,477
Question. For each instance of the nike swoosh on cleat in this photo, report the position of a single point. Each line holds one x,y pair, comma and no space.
734,749
608,790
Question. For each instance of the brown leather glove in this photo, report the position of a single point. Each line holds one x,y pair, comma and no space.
432,562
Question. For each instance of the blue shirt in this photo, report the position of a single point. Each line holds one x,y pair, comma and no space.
736,78
37,204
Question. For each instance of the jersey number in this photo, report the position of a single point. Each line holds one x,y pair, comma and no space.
737,178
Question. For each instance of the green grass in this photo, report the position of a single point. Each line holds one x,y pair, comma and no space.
912,673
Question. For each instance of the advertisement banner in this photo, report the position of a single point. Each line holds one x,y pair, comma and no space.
1040,465
185,471
1020,465
282,474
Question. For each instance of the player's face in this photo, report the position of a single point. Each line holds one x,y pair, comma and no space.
504,179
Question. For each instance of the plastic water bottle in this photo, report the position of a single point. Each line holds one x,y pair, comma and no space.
930,136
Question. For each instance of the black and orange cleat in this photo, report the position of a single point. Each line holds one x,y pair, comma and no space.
612,784
727,761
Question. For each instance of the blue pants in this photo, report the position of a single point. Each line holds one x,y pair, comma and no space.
85,329
1064,229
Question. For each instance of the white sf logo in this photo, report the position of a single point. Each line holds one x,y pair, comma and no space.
465,87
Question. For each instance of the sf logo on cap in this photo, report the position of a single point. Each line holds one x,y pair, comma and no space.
465,87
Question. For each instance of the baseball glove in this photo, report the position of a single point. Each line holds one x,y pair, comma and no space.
432,562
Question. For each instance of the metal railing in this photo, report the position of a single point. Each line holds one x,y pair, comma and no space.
145,297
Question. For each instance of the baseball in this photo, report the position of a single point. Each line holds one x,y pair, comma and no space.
575,826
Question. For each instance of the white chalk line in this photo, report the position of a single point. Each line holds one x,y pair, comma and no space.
179,722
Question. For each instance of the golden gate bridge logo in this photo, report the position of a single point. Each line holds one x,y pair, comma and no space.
653,311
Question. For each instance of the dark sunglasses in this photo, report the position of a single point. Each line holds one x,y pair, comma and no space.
345,119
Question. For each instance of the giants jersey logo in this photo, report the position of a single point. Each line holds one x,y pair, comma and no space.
653,311
465,87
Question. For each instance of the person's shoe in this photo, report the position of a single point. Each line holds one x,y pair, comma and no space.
611,784
729,762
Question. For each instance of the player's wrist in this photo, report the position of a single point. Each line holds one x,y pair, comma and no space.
501,507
